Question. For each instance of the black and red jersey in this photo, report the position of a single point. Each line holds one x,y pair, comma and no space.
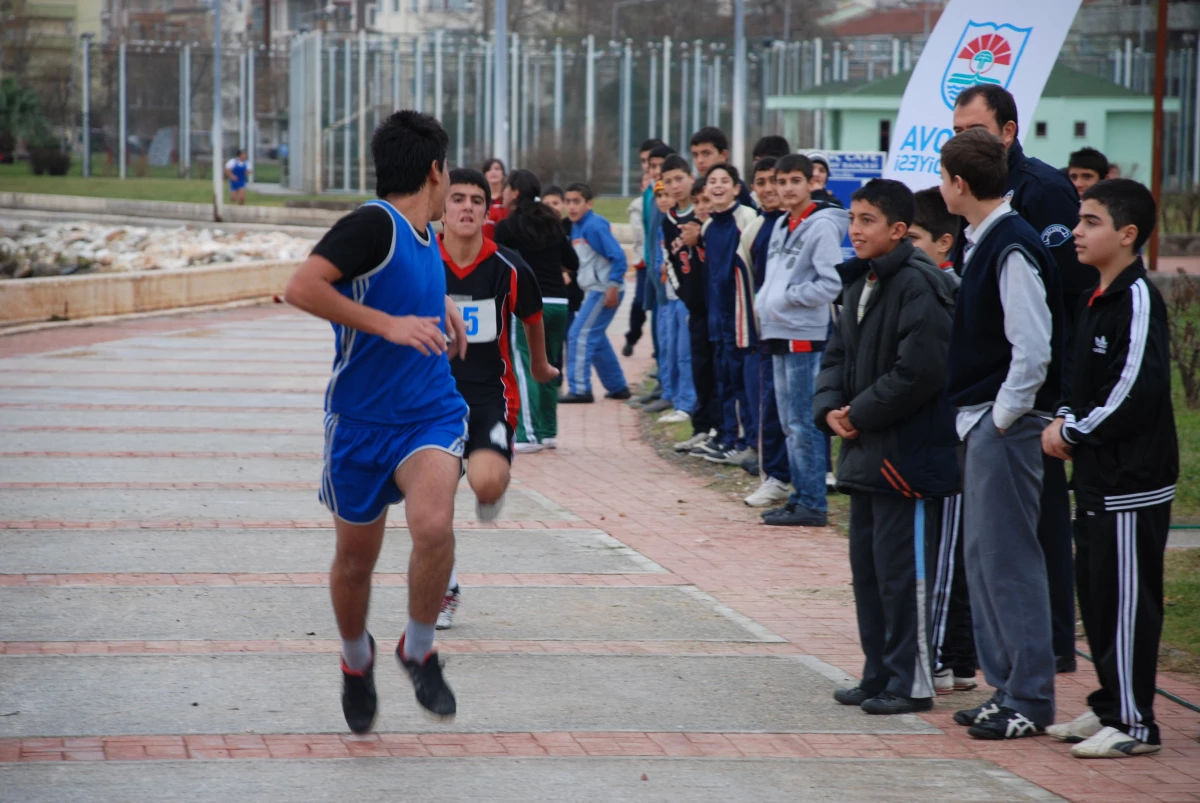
489,292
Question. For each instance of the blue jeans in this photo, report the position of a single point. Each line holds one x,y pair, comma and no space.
675,360
587,345
795,378
760,390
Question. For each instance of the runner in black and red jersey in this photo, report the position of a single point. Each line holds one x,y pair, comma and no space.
490,284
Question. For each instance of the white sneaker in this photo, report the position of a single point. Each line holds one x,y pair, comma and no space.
1112,743
946,682
694,441
830,481
1083,727
528,448
489,512
771,492
550,443
674,417
449,606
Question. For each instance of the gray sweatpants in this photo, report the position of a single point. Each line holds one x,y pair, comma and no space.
1006,572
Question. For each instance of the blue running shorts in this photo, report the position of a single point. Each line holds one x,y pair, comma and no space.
361,458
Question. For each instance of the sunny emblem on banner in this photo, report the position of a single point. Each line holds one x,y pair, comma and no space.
1012,45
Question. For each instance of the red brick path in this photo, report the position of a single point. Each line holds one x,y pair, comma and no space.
793,581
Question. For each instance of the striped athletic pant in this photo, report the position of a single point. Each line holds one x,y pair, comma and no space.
1119,579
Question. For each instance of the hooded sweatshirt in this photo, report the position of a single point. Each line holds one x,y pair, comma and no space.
802,278
602,261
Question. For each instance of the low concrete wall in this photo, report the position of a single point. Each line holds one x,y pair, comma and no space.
172,210
77,297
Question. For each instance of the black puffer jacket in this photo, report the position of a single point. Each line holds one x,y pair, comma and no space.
891,370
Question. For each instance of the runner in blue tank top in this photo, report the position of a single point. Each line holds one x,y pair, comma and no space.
395,424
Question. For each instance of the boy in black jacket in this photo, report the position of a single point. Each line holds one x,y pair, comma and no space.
882,391
1118,426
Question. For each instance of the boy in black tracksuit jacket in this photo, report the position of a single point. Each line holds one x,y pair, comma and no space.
882,390
1118,426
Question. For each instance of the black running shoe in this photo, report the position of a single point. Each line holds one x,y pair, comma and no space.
576,398
627,349
620,395
888,703
856,696
1006,723
432,692
969,716
359,702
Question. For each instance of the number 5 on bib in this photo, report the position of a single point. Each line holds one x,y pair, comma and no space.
480,317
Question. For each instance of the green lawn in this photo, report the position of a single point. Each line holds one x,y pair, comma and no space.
1181,623
164,185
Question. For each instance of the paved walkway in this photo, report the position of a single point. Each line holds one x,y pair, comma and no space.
626,633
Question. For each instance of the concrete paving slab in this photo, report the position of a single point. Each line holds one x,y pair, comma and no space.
224,551
100,364
261,693
42,504
508,780
258,613
85,381
197,339
161,469
223,398
311,420
116,441
1184,539
120,351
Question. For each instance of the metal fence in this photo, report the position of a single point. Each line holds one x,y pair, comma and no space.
147,107
577,109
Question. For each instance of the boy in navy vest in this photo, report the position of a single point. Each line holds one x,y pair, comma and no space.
1004,376
1118,426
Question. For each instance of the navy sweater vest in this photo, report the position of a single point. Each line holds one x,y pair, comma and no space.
980,353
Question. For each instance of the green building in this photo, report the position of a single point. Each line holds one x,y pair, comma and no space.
1076,110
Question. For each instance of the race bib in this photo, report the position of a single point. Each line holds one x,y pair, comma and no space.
480,317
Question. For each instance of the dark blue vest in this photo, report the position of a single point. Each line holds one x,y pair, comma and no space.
979,351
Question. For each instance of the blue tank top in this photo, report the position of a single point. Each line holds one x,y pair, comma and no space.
375,380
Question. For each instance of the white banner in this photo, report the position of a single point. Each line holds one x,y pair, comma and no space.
1013,44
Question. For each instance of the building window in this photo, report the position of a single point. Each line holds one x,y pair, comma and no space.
1080,129
1039,129
885,135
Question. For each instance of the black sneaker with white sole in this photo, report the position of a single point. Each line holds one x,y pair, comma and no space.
710,448
426,675
969,716
1006,723
359,701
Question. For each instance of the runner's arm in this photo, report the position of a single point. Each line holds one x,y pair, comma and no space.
311,289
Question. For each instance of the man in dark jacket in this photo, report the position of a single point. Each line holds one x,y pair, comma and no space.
882,390
1046,200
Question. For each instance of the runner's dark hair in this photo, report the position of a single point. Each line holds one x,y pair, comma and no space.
650,144
532,221
405,146
764,164
552,189
489,163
